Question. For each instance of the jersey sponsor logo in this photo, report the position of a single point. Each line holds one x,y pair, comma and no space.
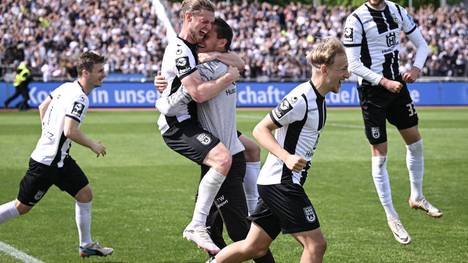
231,91
182,65
391,39
204,138
375,131
309,214
284,107
348,34
39,195
221,201
78,108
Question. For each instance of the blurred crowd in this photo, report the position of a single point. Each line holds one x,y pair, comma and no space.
273,40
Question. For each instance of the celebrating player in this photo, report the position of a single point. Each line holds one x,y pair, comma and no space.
372,41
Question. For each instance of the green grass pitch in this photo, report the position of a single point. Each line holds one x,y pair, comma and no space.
144,193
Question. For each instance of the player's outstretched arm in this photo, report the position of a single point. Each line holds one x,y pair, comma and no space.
72,131
201,91
263,133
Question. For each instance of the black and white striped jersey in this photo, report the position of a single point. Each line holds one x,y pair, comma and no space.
68,101
372,39
301,116
180,60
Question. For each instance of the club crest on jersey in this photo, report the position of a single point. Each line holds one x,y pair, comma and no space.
39,195
348,34
204,139
78,108
182,65
283,108
309,214
395,19
375,131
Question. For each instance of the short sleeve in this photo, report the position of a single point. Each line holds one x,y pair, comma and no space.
291,109
184,61
77,108
352,35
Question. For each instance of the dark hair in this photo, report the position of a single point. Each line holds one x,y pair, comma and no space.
87,61
224,31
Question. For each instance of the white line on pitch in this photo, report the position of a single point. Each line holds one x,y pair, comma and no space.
18,254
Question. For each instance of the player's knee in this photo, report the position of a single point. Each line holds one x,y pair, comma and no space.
223,161
258,251
22,208
252,153
85,195
318,247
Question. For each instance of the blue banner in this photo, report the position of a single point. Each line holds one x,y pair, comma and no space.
249,94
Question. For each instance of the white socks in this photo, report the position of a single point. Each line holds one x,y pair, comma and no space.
252,169
8,211
415,164
207,191
83,222
382,185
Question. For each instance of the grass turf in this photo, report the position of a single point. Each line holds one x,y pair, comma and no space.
144,193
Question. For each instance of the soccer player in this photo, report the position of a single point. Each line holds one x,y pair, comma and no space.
372,40
61,115
297,122
181,131
218,116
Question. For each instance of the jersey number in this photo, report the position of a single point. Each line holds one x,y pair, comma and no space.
411,109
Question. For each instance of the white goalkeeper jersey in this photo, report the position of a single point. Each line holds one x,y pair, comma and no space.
301,116
68,101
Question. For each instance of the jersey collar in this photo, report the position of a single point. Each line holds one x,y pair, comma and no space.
193,47
77,81
316,91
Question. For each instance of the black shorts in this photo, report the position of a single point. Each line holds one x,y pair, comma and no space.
190,140
378,105
40,177
286,208
230,205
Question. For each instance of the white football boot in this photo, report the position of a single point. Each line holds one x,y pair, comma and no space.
199,235
423,204
94,249
399,231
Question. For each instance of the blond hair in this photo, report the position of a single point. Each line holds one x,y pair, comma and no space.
196,5
325,52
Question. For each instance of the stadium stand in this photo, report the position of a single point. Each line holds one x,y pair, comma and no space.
272,39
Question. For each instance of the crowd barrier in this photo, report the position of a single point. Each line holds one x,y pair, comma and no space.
249,94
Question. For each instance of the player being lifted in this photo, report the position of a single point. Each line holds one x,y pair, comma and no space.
181,131
372,40
218,116
61,115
